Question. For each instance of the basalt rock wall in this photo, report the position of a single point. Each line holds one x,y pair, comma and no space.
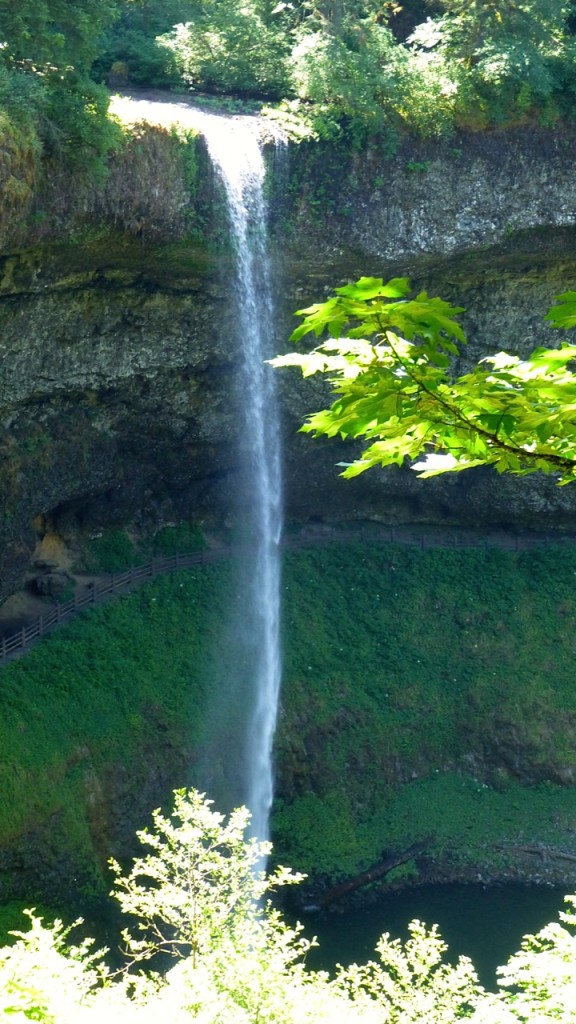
119,392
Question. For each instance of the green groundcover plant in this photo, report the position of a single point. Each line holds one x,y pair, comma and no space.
200,895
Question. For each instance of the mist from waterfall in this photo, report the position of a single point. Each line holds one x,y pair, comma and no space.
237,157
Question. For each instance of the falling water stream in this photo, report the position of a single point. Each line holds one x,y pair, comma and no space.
251,676
237,157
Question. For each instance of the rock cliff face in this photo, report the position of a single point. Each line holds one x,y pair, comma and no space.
465,195
114,397
118,383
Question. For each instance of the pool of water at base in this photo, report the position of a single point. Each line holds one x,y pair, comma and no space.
484,923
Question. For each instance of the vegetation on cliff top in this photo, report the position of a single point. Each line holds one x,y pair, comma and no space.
349,69
47,93
354,68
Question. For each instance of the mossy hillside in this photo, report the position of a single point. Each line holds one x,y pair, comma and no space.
102,709
424,692
473,832
403,665
454,641
480,832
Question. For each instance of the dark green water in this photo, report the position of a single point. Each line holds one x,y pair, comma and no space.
486,924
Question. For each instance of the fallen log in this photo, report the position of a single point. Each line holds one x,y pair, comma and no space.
376,871
537,850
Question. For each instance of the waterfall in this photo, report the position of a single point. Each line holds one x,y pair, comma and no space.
237,157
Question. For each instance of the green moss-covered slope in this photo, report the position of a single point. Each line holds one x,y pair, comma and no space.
405,670
425,692
99,721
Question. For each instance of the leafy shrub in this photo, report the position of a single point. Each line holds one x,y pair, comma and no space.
132,41
146,62
501,58
199,893
50,118
181,539
423,91
231,49
347,84
75,127
201,883
542,975
113,551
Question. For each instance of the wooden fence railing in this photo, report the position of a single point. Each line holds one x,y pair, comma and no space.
424,537
120,582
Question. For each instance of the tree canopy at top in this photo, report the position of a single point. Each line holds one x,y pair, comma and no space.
57,32
358,67
333,69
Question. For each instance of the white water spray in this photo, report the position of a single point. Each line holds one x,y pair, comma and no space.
236,154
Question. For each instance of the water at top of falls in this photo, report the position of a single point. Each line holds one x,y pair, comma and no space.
237,157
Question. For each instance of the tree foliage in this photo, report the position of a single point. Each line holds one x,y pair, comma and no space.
201,885
505,57
237,46
412,982
56,32
131,49
343,71
336,67
541,977
45,87
240,963
389,361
